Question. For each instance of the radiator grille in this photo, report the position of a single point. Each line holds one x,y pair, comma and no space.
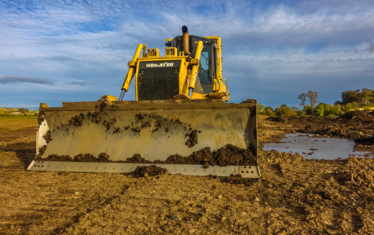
158,83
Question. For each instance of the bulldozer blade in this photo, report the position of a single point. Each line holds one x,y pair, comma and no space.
113,131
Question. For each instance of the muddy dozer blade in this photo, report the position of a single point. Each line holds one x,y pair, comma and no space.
102,136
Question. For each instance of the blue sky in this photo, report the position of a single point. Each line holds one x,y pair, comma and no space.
55,51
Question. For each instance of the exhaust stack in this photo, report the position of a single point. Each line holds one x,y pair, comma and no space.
186,42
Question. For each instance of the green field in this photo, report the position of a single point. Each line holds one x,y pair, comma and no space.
12,127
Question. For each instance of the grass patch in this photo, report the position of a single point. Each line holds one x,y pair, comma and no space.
17,122
13,127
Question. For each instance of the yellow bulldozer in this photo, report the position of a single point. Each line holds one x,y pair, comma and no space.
180,119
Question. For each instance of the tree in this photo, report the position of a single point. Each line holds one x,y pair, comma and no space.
303,97
1,111
338,102
313,95
350,96
294,108
260,108
366,96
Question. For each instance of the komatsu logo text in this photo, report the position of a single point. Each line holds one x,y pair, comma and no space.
166,64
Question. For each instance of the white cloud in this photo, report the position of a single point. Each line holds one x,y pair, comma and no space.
90,42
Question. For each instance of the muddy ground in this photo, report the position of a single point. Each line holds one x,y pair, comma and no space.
294,195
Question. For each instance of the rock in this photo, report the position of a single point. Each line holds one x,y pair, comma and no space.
317,135
174,217
257,199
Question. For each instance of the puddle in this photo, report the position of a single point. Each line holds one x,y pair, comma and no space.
316,147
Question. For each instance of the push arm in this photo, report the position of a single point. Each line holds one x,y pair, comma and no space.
131,72
195,65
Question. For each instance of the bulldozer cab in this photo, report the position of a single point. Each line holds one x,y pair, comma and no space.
208,61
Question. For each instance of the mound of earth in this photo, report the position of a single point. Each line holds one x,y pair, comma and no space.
352,125
277,119
360,115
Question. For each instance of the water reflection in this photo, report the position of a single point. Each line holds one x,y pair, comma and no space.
315,147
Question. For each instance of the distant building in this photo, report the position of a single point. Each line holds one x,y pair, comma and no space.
16,113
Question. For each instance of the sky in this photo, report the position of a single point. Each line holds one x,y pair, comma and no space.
54,51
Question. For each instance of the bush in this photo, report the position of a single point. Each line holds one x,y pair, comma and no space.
348,107
320,110
301,113
268,111
335,109
285,111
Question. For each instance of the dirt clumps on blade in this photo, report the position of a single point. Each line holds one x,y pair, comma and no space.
77,120
249,101
192,138
144,171
103,104
103,157
41,117
85,158
203,156
55,157
179,159
224,156
136,129
47,136
181,97
232,155
41,152
140,116
136,159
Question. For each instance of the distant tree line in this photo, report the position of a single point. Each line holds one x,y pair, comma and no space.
351,100
364,98
17,112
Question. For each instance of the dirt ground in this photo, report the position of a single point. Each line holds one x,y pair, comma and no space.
294,195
